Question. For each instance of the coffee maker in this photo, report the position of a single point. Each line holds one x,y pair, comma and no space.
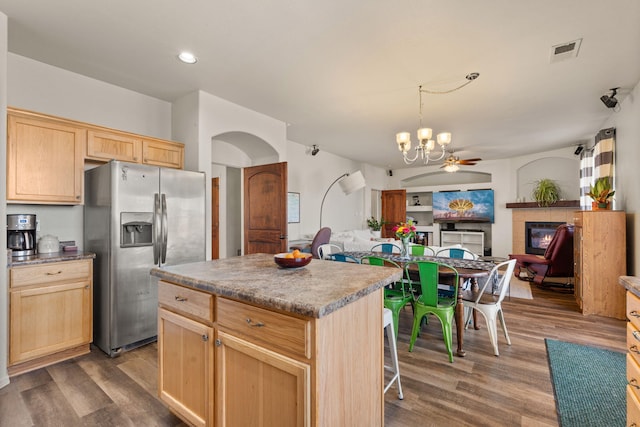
21,234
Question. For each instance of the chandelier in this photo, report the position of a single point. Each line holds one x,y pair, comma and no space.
425,150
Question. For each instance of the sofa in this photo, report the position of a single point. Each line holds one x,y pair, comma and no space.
359,240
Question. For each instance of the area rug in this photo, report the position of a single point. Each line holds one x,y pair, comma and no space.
519,289
588,384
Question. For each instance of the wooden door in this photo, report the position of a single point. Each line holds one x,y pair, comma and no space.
256,386
265,209
215,218
185,367
394,210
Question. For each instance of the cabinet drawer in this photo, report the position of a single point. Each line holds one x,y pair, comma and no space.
186,300
66,271
633,375
633,342
633,408
633,309
273,330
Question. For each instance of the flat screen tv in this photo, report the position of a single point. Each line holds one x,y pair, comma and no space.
463,206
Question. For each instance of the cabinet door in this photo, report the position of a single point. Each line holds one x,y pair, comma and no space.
394,210
44,161
577,264
107,146
48,319
163,153
256,386
185,364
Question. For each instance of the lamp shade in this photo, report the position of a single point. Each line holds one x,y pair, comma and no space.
352,182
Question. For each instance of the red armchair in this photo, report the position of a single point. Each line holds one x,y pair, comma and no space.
557,260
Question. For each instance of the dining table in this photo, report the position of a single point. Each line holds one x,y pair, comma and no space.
466,268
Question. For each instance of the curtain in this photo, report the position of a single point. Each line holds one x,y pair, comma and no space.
597,163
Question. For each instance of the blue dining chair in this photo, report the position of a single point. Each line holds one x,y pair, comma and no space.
387,248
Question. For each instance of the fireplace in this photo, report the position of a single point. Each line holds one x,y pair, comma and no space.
538,235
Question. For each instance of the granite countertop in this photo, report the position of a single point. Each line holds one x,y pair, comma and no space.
47,258
631,283
314,291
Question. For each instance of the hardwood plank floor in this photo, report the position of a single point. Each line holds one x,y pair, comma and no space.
477,390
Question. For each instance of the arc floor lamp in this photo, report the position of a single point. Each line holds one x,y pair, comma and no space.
348,183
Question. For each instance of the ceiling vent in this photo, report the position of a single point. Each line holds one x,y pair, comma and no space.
563,51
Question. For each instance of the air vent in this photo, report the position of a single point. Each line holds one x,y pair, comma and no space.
563,51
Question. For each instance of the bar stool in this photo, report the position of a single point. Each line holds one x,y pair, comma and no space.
387,322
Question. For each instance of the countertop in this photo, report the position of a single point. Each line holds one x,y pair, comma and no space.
47,258
630,283
316,290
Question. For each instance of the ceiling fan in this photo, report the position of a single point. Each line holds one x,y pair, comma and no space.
451,163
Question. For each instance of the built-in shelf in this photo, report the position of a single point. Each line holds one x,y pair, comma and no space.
534,205
419,208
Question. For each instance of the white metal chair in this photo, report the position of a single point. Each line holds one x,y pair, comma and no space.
387,248
325,250
387,324
488,301
462,253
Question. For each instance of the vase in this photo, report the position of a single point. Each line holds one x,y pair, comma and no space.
404,250
376,233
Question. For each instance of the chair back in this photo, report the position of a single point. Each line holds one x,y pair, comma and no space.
497,283
429,276
344,258
387,248
560,251
419,250
325,251
382,262
322,237
461,253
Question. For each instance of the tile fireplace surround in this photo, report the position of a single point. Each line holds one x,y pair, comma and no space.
527,213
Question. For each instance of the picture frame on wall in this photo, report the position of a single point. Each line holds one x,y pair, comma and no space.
293,207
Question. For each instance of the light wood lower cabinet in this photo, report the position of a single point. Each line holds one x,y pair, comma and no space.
50,313
633,359
185,352
269,368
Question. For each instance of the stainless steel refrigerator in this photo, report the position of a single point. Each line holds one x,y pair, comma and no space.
137,217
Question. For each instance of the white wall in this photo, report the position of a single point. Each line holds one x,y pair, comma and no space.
627,124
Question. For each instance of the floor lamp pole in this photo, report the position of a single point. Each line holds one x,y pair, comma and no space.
325,194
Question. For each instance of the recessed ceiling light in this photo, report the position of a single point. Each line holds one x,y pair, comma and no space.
187,58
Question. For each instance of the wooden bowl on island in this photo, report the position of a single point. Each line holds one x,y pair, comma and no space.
286,260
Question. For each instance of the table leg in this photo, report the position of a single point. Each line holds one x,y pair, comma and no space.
460,320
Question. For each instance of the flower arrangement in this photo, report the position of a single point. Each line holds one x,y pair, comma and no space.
405,230
374,224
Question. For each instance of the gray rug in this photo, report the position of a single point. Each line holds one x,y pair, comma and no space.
588,383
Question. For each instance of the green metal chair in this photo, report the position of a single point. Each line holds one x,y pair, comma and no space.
431,301
419,250
396,297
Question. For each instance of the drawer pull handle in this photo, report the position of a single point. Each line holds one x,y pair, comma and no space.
180,299
256,324
634,313
633,349
636,335
54,274
634,383
205,337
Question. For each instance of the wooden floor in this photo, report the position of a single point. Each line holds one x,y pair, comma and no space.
478,390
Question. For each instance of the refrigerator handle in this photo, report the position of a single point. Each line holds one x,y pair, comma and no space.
165,228
156,229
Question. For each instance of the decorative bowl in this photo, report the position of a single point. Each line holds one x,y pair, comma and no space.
292,262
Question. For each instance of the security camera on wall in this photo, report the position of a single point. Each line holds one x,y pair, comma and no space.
315,150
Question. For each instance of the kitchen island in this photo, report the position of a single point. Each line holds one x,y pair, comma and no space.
241,339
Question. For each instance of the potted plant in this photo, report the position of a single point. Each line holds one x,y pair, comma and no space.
601,193
546,192
375,225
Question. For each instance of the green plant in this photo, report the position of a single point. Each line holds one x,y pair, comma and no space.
601,190
374,224
546,192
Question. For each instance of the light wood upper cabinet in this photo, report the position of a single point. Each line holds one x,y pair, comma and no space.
45,160
162,153
111,145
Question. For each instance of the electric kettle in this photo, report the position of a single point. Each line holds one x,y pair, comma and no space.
48,244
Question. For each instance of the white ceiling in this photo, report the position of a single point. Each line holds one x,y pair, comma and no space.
344,74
